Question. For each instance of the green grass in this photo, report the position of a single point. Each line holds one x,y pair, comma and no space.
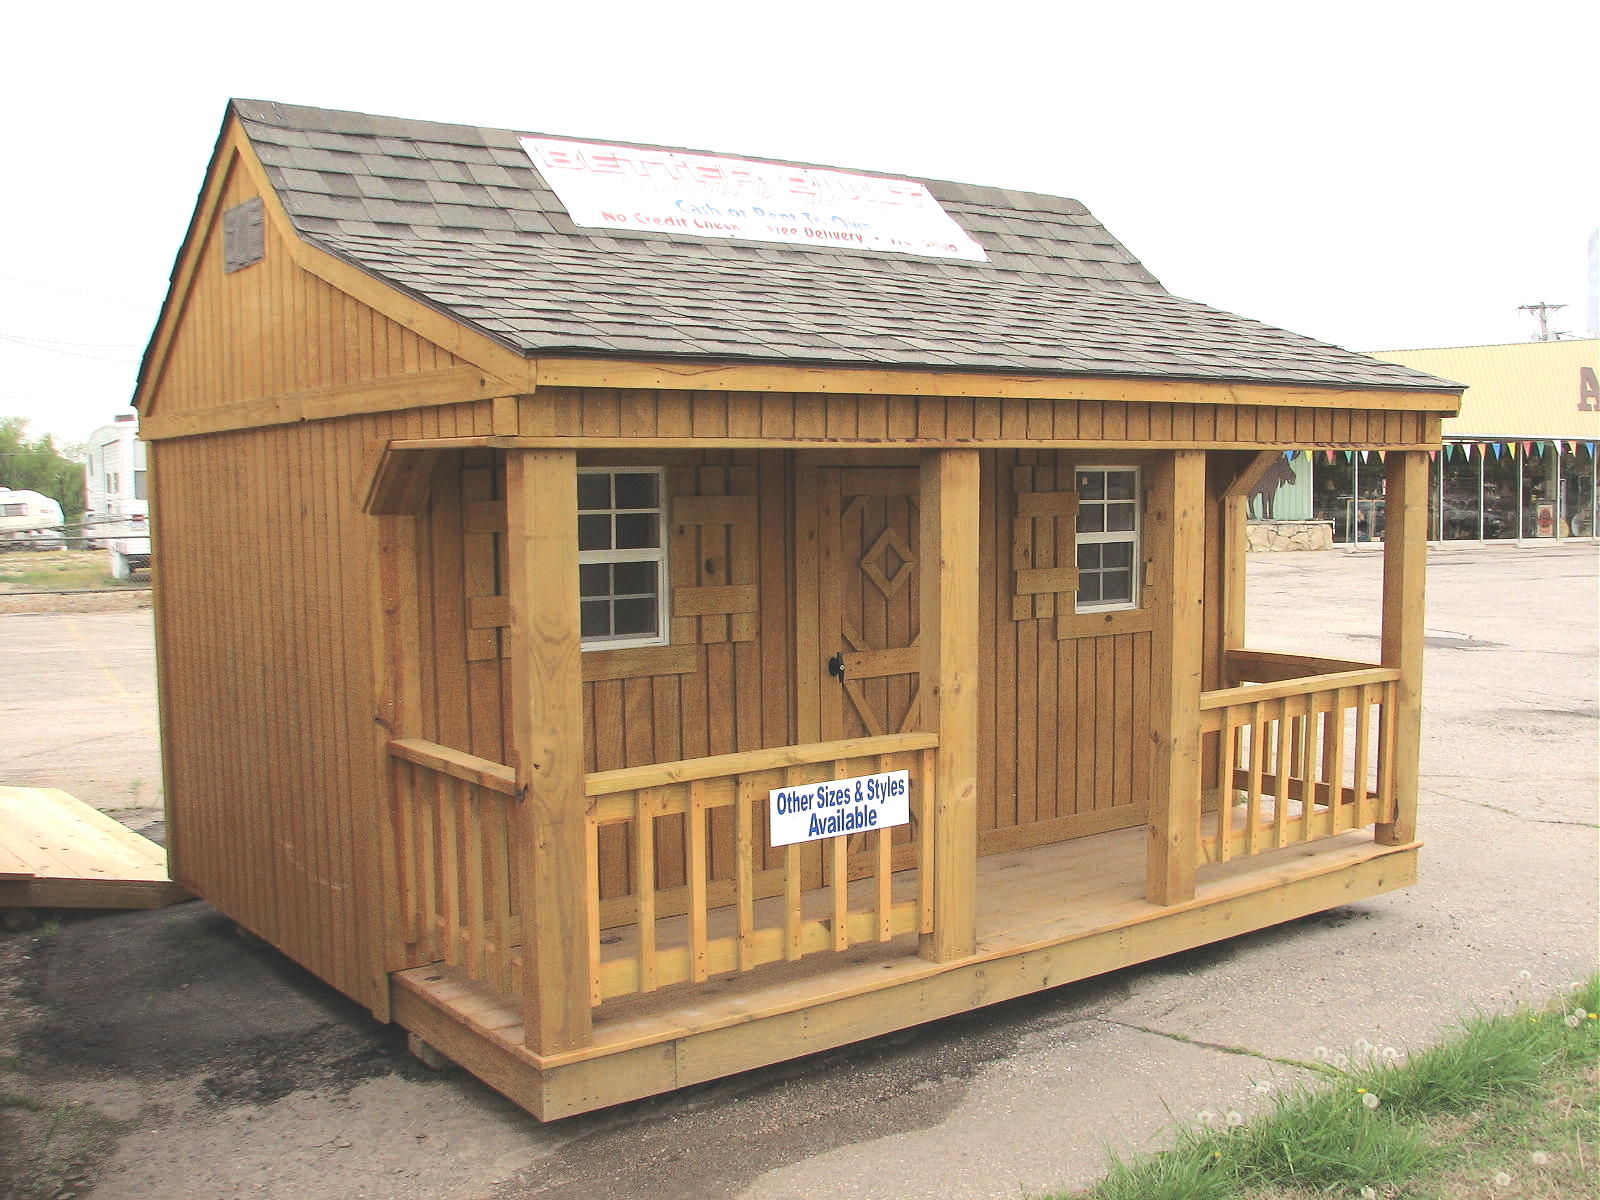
1503,1107
61,570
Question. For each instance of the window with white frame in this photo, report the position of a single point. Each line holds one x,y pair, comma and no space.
622,562
1108,538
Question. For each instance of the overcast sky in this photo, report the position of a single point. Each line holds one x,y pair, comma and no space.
1378,175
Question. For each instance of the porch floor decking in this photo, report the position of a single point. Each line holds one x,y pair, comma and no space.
1048,915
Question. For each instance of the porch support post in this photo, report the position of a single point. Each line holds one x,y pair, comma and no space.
949,640
1174,820
1235,546
547,740
1405,561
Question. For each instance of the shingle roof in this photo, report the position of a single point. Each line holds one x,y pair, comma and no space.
460,217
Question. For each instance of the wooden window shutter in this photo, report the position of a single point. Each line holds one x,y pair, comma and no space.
1043,543
711,550
483,532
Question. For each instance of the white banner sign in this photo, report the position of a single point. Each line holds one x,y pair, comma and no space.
664,191
809,811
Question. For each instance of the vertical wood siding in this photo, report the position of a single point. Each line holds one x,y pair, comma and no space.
272,329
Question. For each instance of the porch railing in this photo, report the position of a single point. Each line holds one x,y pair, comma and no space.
457,864
753,905
1299,748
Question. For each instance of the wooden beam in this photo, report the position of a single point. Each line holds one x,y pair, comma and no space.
1174,826
885,444
1405,562
681,375
391,393
1235,545
401,483
547,739
949,640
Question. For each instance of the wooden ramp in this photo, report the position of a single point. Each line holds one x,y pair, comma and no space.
57,852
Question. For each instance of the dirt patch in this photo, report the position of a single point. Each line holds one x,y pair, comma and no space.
121,600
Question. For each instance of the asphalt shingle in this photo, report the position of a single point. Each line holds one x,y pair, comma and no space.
458,216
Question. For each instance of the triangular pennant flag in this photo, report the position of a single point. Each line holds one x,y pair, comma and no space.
1349,455
1497,448
1511,449
1330,454
1433,456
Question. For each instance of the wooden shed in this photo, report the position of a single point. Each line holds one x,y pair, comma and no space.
632,615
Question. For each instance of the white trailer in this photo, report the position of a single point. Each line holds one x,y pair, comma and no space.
29,521
116,512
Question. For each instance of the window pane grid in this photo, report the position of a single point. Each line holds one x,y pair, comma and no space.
1107,537
621,557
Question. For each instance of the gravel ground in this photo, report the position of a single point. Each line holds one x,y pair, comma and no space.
168,1056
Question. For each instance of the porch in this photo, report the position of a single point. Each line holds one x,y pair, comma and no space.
1047,916
580,936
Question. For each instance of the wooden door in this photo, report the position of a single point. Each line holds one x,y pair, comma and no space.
867,591
867,602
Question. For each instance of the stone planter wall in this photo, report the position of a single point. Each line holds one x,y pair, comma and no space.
1289,535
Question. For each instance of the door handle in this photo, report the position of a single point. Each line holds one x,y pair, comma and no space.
836,667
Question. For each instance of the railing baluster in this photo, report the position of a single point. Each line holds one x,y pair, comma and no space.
1386,723
500,973
591,905
791,902
644,884
1362,765
405,816
885,863
472,878
1258,750
1342,814
1308,769
697,880
1280,772
923,795
744,867
839,874
427,839
1227,749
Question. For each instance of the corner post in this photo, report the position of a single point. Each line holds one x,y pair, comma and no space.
1405,561
949,639
1174,821
547,737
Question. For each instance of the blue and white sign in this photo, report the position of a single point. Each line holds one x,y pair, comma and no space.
808,812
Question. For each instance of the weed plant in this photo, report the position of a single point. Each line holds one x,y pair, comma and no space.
1380,1124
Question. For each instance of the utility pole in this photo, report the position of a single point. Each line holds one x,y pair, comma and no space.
1541,313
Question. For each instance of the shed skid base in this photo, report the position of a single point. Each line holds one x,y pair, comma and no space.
1043,927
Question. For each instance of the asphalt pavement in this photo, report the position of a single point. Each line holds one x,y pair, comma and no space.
213,1067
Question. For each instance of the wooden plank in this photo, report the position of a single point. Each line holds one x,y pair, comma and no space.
898,384
713,510
1047,580
1175,725
1405,562
455,763
750,761
548,736
708,601
1047,504
1227,697
640,662
871,664
949,639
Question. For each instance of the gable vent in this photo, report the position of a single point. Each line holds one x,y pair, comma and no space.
243,243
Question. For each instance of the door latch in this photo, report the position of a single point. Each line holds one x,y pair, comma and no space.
836,667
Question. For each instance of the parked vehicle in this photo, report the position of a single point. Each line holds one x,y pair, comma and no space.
29,521
116,511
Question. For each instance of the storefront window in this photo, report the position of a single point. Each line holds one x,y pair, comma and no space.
1501,497
1369,506
1458,510
1333,495
1540,483
1577,492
